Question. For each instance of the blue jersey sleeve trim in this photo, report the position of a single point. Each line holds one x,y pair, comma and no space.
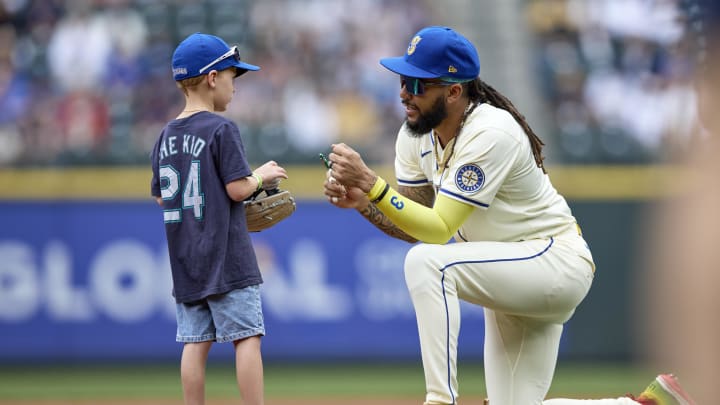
413,182
463,198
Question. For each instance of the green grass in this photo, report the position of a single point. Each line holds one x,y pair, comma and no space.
292,380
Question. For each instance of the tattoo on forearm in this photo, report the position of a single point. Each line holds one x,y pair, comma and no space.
377,218
424,195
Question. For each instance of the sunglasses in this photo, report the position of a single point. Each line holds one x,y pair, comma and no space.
416,86
234,52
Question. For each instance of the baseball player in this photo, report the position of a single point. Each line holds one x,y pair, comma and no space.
201,178
469,167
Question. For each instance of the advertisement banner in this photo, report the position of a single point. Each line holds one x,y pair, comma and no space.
91,280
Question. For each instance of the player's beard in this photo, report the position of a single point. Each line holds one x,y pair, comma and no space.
428,120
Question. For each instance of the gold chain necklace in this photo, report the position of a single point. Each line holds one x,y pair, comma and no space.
443,164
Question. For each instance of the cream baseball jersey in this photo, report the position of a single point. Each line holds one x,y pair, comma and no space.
490,167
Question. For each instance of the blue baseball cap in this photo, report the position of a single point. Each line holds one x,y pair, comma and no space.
437,52
200,53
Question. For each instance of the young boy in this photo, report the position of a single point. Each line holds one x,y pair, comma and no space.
200,179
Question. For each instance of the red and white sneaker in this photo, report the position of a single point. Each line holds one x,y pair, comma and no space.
665,390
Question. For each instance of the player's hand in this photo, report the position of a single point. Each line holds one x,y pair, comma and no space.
342,196
349,169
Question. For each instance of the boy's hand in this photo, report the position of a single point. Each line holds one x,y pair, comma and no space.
271,174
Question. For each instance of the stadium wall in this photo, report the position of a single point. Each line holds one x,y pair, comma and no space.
84,273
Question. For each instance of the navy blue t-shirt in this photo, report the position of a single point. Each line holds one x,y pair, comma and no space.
210,248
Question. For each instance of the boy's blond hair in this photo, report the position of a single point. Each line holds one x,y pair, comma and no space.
185,84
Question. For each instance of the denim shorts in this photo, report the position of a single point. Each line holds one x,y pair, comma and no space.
221,318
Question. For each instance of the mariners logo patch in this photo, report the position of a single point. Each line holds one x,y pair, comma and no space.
413,44
469,178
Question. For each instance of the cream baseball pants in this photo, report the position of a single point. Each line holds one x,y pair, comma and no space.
528,289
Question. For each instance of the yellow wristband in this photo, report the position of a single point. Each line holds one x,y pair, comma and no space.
378,190
259,181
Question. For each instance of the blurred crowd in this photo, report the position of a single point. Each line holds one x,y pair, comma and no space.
89,81
618,77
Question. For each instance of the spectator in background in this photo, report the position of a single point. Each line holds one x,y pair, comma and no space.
14,86
78,72
128,37
75,67
14,97
83,122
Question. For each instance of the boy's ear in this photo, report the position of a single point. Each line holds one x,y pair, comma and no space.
211,77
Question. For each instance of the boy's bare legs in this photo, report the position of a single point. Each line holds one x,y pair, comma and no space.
192,372
249,370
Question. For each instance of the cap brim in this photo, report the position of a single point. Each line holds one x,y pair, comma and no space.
246,66
400,66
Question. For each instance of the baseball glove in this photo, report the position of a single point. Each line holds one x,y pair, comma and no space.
266,211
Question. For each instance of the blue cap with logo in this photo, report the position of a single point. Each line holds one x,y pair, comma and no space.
437,52
200,53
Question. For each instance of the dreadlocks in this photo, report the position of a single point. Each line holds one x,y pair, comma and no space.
481,92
